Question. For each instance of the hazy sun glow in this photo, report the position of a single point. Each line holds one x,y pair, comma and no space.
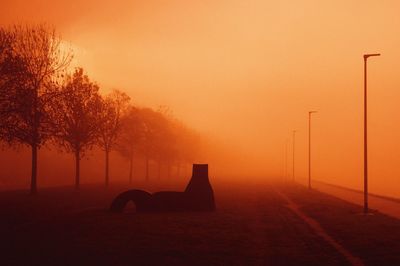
247,72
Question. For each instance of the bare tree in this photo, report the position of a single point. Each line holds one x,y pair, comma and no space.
36,59
188,147
75,116
131,137
181,145
156,137
163,138
12,85
150,136
112,110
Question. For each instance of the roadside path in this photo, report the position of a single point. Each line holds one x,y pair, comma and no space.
383,205
353,260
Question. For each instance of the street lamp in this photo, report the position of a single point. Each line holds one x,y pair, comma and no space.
366,56
309,147
294,142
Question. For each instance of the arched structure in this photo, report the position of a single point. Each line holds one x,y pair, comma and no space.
198,196
139,197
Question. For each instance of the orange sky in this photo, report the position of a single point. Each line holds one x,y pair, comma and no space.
247,72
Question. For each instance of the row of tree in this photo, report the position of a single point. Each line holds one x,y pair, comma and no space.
41,103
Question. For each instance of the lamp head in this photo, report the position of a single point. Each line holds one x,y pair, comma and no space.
369,55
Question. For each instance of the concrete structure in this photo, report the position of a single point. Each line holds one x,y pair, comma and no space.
198,196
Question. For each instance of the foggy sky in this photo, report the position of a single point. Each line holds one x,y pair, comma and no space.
247,73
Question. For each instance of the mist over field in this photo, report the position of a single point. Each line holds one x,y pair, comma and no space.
244,74
213,132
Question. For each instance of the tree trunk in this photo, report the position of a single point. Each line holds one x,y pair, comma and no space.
107,168
130,169
147,168
77,169
34,169
35,134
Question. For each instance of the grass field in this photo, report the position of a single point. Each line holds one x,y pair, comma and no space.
252,226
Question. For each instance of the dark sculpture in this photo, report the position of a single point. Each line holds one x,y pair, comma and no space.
198,196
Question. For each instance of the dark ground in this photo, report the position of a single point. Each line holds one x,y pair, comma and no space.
252,226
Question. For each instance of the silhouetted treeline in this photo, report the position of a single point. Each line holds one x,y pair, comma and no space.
41,103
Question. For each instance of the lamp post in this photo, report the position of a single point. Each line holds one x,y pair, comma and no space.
309,147
294,142
366,56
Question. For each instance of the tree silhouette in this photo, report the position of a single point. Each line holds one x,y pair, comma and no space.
189,146
113,108
166,141
11,78
75,116
36,60
154,124
37,103
131,137
186,145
